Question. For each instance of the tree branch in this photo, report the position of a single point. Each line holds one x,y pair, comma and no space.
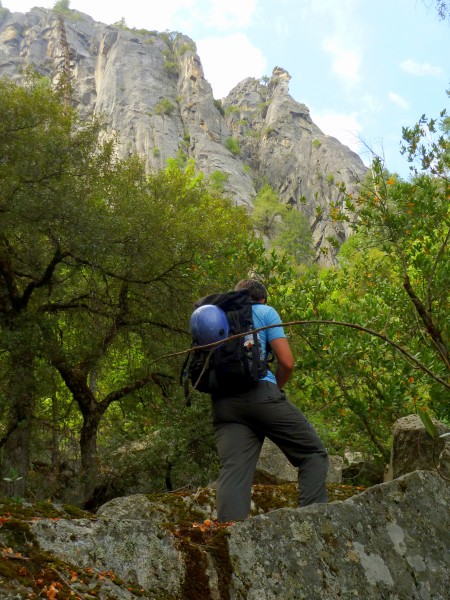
399,348
427,320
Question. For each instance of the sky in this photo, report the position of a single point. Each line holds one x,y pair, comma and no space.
364,68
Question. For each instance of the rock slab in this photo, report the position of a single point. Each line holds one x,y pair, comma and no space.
390,542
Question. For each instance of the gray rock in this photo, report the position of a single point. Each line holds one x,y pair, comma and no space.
413,448
124,75
390,542
281,142
274,467
141,551
444,460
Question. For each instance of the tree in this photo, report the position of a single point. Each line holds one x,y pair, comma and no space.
98,262
393,278
285,228
40,151
62,5
443,9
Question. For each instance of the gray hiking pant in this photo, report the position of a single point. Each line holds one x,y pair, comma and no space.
241,422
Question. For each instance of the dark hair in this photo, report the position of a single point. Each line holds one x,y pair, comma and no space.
257,290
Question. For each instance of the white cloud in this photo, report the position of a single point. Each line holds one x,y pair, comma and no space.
230,14
228,60
398,100
345,127
345,62
420,69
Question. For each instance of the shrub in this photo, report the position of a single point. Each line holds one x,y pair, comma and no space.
62,5
165,107
230,110
232,144
218,105
186,47
218,179
171,67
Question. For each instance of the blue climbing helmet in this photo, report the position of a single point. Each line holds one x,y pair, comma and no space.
209,324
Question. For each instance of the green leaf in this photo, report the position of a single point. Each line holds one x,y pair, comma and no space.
427,423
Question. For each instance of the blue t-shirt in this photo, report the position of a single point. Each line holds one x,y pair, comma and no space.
266,315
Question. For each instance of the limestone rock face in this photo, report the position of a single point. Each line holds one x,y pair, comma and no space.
389,542
151,91
149,87
280,141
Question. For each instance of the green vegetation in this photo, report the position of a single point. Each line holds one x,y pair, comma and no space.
218,179
232,144
172,67
165,107
100,264
218,105
62,6
121,24
186,47
284,226
231,109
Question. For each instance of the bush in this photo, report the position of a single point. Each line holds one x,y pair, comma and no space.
232,144
165,107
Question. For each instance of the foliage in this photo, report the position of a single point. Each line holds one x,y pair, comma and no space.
169,37
218,105
186,47
231,109
172,67
393,278
285,227
443,9
62,6
99,266
232,144
165,107
100,263
218,179
121,24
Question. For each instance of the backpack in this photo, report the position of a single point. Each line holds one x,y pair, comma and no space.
235,365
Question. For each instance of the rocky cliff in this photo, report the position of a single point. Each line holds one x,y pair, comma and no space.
151,90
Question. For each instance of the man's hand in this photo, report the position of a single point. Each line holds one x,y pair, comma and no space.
285,360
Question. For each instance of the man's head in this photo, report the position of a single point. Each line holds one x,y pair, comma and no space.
258,291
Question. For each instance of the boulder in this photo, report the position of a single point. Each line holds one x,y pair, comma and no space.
390,542
273,467
413,448
361,469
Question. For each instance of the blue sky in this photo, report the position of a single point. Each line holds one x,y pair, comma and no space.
365,68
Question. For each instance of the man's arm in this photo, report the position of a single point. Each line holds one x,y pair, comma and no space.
285,360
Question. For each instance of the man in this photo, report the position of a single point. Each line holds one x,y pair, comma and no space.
243,419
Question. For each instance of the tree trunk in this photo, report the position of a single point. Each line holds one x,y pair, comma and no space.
88,448
16,446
